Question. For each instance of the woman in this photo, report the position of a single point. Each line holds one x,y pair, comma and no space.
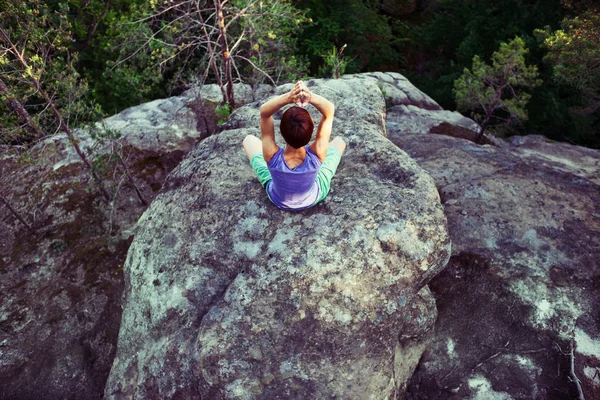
299,175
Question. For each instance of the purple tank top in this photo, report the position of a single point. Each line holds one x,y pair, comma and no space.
293,189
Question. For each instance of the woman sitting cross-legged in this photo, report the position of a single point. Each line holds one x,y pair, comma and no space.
299,175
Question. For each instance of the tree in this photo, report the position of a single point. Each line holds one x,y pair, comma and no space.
574,54
448,34
39,73
97,25
335,64
227,40
357,23
18,110
495,94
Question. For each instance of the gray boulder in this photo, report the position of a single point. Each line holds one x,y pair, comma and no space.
409,119
61,284
539,150
410,111
161,126
396,89
227,297
521,288
243,93
166,125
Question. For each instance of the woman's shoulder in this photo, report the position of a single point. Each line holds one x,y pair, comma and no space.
310,153
276,157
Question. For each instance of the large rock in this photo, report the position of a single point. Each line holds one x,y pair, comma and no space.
410,111
229,297
174,124
396,90
521,288
242,92
576,160
403,120
61,283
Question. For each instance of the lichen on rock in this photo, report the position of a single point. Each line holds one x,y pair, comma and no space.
521,287
229,297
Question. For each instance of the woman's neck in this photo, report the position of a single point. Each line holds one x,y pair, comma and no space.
293,157
290,151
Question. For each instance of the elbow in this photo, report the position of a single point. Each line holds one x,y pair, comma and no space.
264,112
331,111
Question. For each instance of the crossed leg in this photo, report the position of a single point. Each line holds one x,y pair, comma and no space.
339,144
252,146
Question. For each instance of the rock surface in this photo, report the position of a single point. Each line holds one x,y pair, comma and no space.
410,111
61,285
539,150
229,297
396,89
174,124
243,93
522,281
402,120
524,277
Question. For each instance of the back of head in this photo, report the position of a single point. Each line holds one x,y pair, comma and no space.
296,127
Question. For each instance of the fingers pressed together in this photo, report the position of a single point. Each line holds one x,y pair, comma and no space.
301,94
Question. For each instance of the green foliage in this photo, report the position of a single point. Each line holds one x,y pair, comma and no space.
367,33
35,59
223,112
100,30
126,71
445,40
58,246
100,134
495,93
25,158
98,57
574,53
170,44
102,163
268,45
335,64
106,155
574,57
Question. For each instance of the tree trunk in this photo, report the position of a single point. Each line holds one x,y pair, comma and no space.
482,128
212,62
22,114
15,213
61,123
137,191
73,140
225,50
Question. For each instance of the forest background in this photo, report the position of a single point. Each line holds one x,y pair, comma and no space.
82,60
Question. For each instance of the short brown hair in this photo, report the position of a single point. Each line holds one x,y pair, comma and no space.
296,127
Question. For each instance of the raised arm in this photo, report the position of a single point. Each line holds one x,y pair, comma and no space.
327,109
267,129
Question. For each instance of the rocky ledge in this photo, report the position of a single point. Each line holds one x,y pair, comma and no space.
518,303
240,300
228,297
